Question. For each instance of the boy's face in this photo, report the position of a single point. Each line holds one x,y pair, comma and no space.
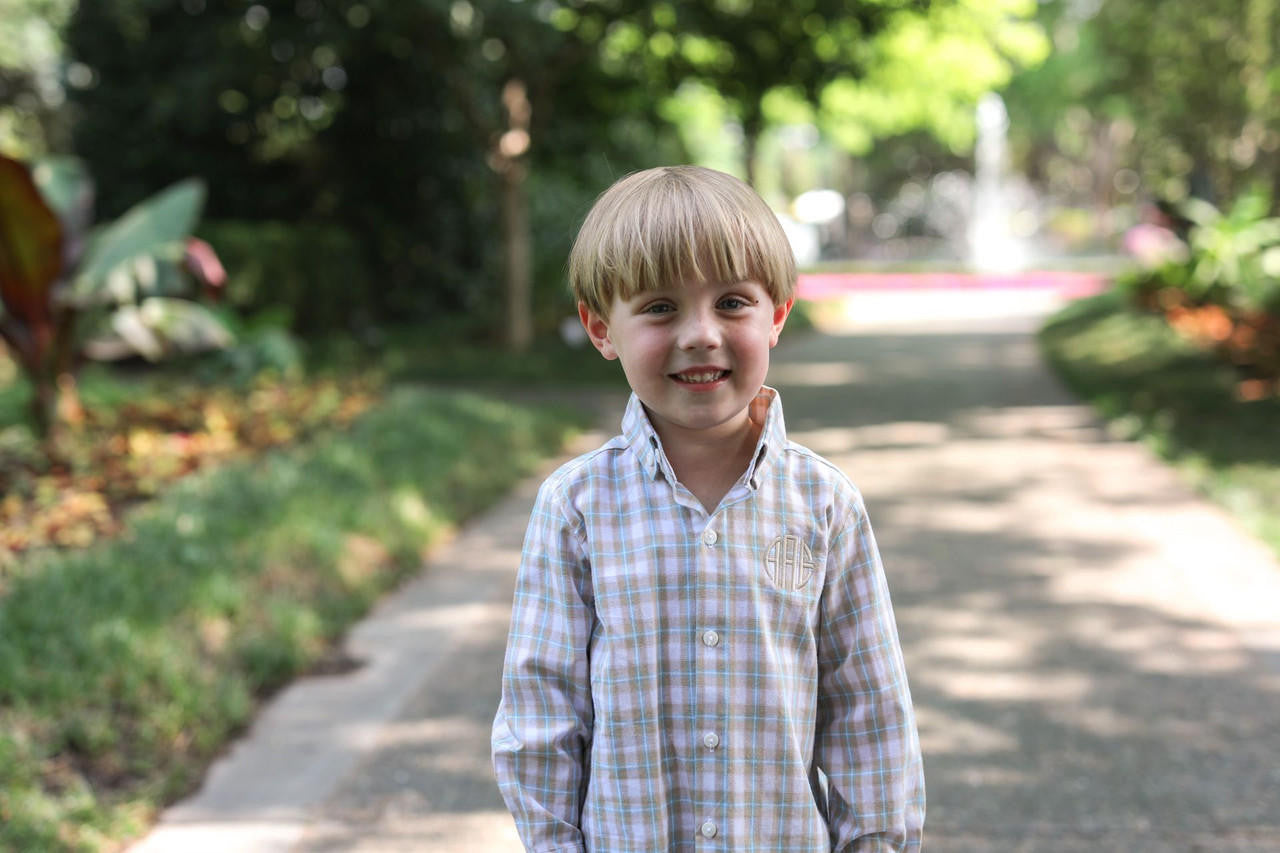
695,354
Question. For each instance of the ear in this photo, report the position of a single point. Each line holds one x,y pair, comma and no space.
780,313
597,330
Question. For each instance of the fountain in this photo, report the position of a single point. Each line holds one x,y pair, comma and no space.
992,246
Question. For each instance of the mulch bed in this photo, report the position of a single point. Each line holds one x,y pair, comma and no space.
112,460
1249,340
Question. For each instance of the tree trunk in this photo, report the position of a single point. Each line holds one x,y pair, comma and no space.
519,259
517,239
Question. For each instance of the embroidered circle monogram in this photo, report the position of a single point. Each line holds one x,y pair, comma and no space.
789,563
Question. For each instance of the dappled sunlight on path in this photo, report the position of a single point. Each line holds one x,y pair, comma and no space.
1094,652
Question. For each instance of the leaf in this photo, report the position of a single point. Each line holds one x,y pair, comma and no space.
30,246
158,225
128,324
161,326
1200,211
65,185
183,325
67,188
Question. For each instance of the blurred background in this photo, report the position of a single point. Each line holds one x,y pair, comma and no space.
377,163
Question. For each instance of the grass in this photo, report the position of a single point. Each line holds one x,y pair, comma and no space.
125,667
1153,384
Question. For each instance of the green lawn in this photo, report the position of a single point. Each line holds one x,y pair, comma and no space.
1151,383
126,666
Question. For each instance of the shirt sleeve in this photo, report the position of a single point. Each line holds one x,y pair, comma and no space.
866,740
542,732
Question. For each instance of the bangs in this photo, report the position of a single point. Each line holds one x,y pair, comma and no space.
656,229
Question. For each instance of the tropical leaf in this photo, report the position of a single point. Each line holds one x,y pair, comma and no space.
30,246
133,331
157,327
66,186
159,226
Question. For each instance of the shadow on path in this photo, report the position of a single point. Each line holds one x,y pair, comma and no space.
1091,668
1093,651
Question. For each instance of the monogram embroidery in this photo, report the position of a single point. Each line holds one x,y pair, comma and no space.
789,563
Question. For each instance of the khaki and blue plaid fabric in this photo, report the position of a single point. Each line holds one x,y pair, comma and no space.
678,681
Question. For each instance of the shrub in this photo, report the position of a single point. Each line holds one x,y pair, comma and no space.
315,273
1225,289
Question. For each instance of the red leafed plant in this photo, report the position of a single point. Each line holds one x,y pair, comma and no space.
66,287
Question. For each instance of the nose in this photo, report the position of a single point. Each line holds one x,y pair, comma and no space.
699,330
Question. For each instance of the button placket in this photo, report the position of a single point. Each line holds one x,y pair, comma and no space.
712,614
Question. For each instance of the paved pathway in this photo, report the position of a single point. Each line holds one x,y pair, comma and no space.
1094,652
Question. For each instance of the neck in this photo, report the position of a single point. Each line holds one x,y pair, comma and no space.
709,464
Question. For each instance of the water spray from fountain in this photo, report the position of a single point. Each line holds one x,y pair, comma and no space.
992,245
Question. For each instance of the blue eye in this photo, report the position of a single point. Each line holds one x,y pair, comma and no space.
658,308
733,303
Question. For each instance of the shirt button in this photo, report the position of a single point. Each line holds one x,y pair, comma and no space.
711,740
710,639
710,536
709,830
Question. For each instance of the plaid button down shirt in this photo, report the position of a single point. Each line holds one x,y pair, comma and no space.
674,680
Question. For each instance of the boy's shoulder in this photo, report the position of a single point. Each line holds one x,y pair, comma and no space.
593,463
805,466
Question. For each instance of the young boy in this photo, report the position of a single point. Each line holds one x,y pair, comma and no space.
702,653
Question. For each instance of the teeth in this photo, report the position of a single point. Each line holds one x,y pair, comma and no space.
705,376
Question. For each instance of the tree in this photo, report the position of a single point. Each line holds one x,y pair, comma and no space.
31,75
927,72
743,50
386,118
1179,94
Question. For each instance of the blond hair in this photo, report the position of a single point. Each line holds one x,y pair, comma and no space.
660,227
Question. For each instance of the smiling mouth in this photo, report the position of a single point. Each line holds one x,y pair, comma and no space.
699,377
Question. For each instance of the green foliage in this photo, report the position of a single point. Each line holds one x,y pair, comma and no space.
124,668
31,64
52,270
314,273
1153,384
861,71
379,118
1178,93
927,72
1234,258
156,227
323,113
263,345
1199,83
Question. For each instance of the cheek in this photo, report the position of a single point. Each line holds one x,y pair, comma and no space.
755,342
638,350
646,342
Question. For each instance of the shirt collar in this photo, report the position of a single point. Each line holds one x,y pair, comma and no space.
644,442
